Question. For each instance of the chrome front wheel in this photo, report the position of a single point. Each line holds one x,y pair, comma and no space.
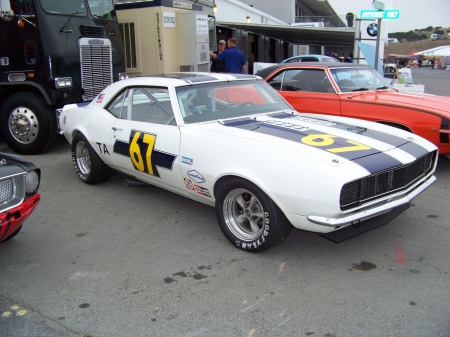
248,218
243,214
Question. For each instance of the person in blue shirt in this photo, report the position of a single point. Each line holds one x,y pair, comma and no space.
234,58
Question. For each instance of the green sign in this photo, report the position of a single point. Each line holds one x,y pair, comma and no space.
389,14
379,5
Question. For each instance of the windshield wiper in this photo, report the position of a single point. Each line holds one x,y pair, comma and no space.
382,88
360,89
111,31
63,29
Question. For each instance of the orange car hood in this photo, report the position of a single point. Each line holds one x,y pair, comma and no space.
438,104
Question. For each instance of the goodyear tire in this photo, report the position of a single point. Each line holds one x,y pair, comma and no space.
88,165
248,217
28,124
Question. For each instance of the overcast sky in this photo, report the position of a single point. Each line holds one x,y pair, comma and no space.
414,14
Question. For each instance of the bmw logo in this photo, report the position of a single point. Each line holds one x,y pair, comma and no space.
372,29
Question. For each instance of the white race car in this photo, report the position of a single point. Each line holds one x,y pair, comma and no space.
232,142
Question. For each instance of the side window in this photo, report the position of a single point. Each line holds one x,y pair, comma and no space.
151,105
118,107
312,80
277,81
285,81
22,6
310,59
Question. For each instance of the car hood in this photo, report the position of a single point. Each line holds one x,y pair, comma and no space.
11,164
333,140
407,99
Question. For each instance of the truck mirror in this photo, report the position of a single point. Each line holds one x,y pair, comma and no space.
5,7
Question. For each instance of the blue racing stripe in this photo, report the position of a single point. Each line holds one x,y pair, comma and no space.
371,159
379,163
411,148
414,149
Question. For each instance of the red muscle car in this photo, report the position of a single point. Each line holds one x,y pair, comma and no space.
358,91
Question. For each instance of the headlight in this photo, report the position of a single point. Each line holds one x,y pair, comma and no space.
31,182
63,82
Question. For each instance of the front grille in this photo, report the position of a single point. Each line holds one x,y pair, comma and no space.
383,183
96,67
6,191
73,97
91,31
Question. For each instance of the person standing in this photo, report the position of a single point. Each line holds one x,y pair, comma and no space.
234,58
218,66
432,64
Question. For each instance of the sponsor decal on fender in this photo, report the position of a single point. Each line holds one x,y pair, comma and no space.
195,176
189,184
187,160
202,191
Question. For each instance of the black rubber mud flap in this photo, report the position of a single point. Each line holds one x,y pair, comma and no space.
365,226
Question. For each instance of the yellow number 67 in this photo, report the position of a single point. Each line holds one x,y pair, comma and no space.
326,140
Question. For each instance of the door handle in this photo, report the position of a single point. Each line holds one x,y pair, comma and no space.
116,129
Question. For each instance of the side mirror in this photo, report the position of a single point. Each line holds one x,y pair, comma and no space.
5,6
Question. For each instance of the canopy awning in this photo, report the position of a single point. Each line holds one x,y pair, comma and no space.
342,37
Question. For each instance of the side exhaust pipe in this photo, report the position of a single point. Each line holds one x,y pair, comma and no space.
130,182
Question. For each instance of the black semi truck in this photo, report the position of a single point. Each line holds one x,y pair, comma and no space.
52,53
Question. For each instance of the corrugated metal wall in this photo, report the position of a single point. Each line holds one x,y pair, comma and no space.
236,11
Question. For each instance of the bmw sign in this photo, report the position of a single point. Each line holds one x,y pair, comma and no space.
372,29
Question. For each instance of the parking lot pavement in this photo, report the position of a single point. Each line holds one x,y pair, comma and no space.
437,81
19,320
110,260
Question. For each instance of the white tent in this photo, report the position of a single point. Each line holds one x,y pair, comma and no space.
438,51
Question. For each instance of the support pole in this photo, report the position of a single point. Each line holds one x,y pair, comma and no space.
356,52
377,49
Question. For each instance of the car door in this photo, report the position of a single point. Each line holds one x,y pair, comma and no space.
366,104
146,138
307,90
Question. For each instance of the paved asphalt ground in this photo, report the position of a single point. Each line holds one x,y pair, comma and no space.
110,260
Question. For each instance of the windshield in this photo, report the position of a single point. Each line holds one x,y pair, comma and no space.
361,79
67,7
213,101
103,8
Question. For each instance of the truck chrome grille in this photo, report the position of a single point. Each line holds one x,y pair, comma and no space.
96,66
383,183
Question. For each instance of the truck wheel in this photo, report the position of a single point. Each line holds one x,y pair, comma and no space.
28,124
248,217
88,165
